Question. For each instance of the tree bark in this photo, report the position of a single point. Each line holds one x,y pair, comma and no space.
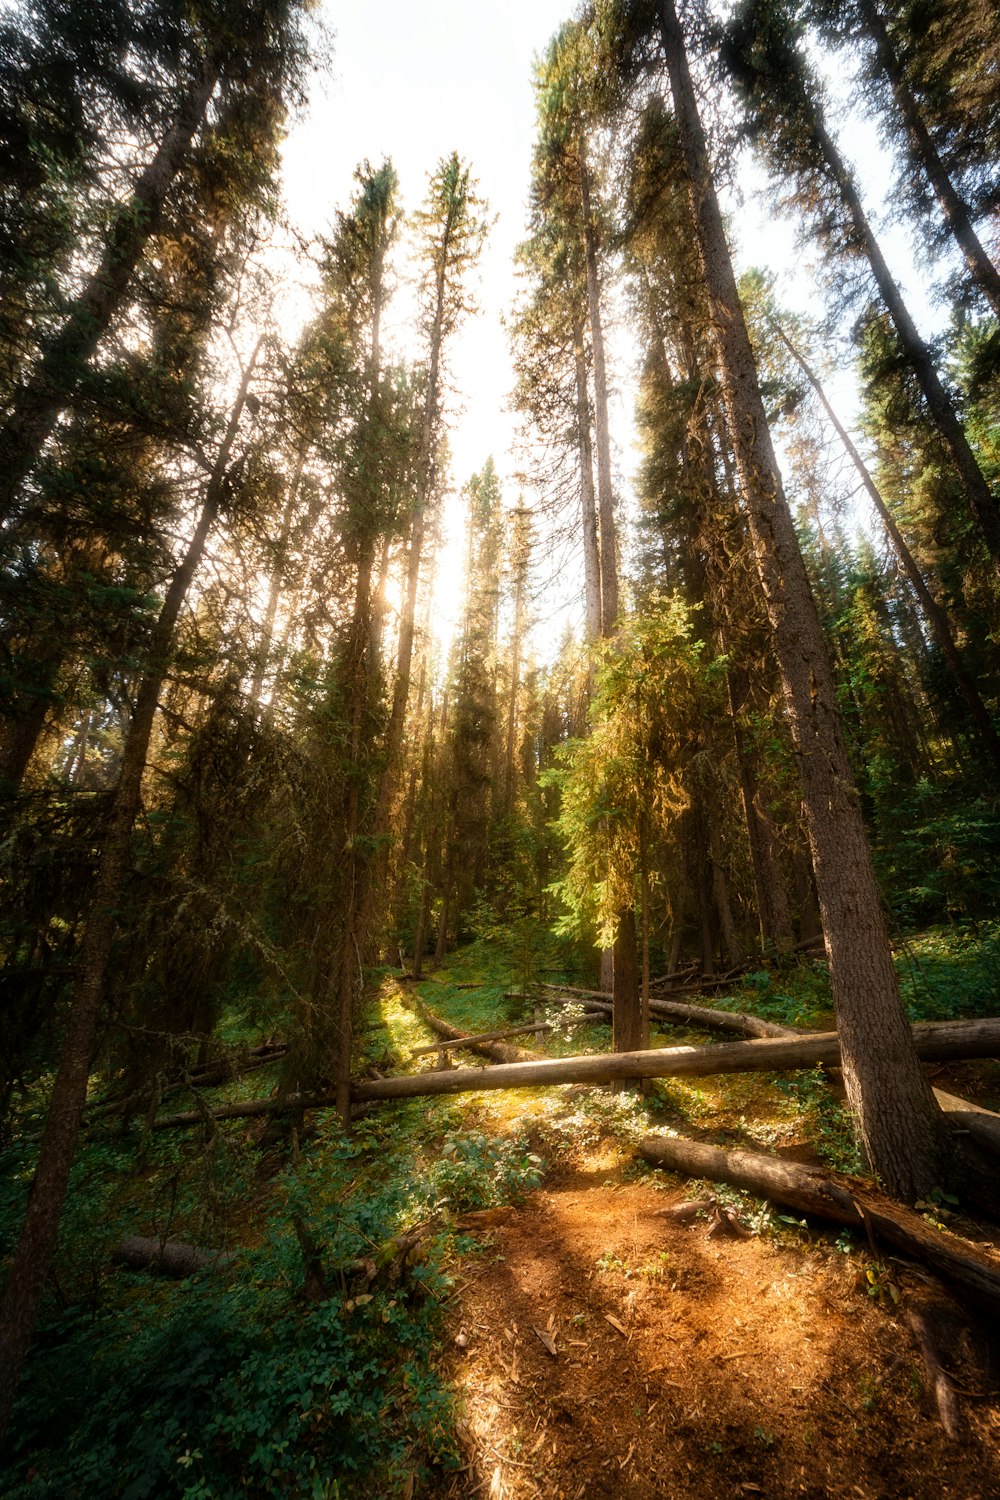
897,1118
810,1191
36,406
166,1257
627,1028
33,1256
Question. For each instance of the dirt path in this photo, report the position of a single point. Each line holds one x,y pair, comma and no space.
687,1365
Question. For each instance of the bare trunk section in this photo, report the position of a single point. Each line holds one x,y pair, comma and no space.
627,1027
602,435
898,1121
588,503
772,898
32,1259
36,406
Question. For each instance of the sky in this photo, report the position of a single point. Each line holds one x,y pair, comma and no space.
414,81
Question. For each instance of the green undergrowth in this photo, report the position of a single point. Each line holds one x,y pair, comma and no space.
242,1379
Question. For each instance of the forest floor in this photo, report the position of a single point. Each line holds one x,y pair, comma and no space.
599,1347
562,1335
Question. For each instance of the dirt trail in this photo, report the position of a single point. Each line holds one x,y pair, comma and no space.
688,1365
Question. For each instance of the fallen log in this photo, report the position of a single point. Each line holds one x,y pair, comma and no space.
476,1039
499,1051
935,1041
713,1020
981,1124
166,1257
203,1075
684,989
810,1191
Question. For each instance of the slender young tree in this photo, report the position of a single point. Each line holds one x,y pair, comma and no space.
452,226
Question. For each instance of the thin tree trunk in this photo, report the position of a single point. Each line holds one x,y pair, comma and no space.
956,213
772,898
441,946
425,486
644,887
420,941
898,1121
33,1257
274,589
358,871
933,613
36,406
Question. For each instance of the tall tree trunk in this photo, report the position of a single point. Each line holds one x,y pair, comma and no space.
720,890
897,1118
626,1010
33,1257
425,487
602,432
933,613
644,907
38,402
956,214
357,861
423,922
588,503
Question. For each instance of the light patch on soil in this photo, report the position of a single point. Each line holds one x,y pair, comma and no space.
687,1365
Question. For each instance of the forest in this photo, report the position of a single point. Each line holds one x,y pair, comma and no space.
558,1056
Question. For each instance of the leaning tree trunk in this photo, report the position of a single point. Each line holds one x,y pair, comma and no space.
32,1258
37,404
933,613
897,1119
956,214
917,354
